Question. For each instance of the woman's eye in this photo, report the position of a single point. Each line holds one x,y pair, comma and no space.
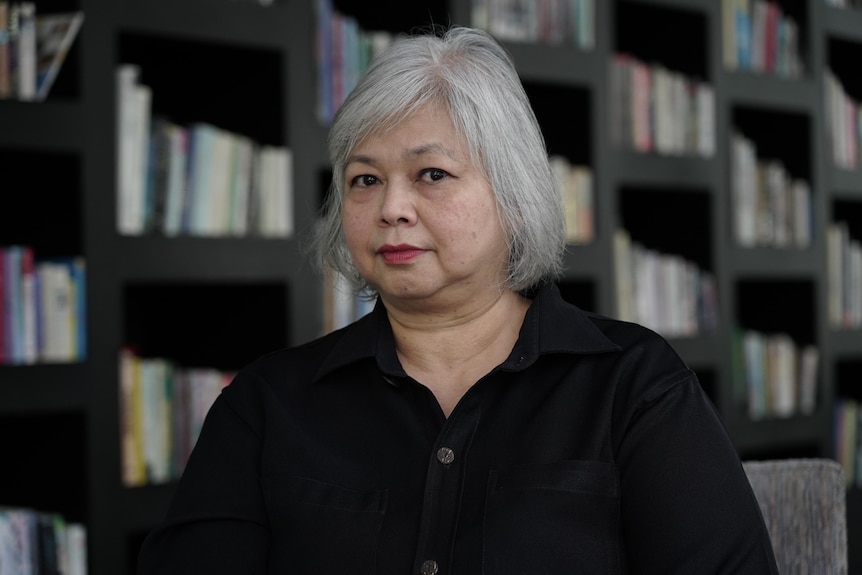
434,174
363,181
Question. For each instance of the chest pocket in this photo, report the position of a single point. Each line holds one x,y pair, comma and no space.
560,517
319,528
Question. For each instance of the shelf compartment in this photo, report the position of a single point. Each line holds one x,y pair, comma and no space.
45,463
43,204
779,135
764,304
217,325
568,133
684,51
670,220
195,81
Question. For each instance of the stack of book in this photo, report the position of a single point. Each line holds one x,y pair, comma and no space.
37,543
664,292
576,187
163,408
654,109
773,375
556,22
33,48
42,307
844,277
759,37
195,180
344,51
770,207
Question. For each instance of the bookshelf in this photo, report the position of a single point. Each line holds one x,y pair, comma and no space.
221,301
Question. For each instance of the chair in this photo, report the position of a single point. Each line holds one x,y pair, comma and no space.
803,502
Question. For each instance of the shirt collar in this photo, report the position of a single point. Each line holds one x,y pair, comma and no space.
551,325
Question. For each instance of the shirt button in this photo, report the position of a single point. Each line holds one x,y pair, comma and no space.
429,567
445,455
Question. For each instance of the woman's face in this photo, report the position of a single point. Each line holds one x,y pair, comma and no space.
420,219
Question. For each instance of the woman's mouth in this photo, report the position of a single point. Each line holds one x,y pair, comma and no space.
400,254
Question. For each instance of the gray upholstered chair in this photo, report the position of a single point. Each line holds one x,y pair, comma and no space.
804,505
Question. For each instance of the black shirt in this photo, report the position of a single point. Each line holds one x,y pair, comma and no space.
592,449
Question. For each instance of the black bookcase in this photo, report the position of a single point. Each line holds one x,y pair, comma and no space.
251,68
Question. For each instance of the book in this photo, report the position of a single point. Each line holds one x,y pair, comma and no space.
5,89
132,143
76,549
13,318
55,34
26,51
13,31
18,541
28,305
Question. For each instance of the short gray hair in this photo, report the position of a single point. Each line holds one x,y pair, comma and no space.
472,76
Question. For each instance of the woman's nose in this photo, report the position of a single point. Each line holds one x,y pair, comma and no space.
397,205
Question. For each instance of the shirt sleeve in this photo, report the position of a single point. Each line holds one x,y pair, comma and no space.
687,505
216,523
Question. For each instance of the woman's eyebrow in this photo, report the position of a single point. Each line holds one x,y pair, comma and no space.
432,148
361,159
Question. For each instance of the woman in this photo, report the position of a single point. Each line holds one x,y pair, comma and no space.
474,422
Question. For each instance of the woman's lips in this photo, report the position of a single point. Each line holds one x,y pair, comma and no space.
400,254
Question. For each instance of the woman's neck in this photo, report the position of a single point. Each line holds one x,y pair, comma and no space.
448,353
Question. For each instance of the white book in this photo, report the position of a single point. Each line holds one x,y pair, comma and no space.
285,193
17,542
276,167
131,142
76,546
240,191
855,284
214,212
60,301
706,133
781,358
743,182
201,176
27,51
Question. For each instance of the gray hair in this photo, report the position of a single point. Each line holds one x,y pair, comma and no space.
472,76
